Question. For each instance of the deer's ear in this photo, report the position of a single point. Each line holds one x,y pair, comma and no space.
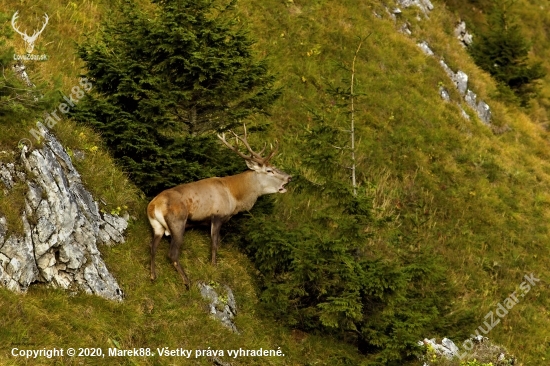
251,164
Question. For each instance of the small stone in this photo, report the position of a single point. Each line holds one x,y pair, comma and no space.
223,308
425,48
470,99
484,112
461,81
450,345
444,94
462,34
6,175
405,29
424,5
3,230
428,4
79,155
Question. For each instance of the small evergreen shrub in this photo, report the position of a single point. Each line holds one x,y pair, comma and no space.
164,82
503,52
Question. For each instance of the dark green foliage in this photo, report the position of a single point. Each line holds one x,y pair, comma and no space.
503,52
154,160
163,81
319,274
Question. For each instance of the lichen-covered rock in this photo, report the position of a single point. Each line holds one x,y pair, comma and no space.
3,230
462,34
222,307
62,226
482,109
7,173
18,267
111,229
447,348
19,69
461,81
425,48
484,112
444,94
425,5
471,99
477,348
405,29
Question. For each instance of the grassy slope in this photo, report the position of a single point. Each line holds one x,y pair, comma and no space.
153,315
479,201
534,20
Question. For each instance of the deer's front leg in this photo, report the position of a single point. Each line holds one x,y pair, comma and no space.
215,227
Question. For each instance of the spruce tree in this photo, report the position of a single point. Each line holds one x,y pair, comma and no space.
317,272
503,52
164,81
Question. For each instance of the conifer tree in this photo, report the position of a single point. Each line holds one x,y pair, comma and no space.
317,272
503,52
163,81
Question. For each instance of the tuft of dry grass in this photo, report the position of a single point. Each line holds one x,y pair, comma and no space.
12,206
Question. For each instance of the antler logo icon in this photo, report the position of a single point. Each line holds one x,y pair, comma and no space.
29,40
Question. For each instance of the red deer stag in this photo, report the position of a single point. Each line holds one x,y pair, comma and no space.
211,201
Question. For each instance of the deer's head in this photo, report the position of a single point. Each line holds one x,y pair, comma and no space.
271,179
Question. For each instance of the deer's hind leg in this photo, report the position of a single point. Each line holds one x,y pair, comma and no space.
154,245
177,229
158,233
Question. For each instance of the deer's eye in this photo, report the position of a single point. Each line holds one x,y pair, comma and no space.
269,170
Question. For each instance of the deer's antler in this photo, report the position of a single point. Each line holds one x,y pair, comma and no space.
255,156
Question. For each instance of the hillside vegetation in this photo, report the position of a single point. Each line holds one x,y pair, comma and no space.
451,215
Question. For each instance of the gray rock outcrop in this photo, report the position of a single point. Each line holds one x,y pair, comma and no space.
462,34
460,79
444,94
20,70
425,5
222,307
425,48
477,348
447,348
62,227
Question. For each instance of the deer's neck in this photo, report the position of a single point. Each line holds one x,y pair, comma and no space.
245,188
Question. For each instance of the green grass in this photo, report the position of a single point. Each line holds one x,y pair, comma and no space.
485,194
532,16
484,197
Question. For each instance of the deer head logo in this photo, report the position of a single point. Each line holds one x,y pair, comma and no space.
29,40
